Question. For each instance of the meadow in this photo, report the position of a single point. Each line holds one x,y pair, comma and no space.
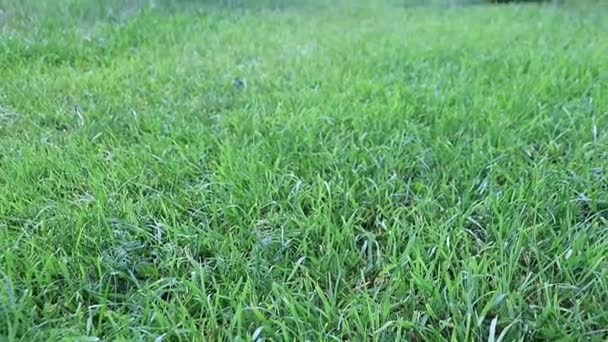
178,170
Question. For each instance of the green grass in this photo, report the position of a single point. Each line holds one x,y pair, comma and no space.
388,173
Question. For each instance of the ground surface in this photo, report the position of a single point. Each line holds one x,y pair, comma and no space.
384,172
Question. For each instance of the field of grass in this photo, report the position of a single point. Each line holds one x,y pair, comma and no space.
377,172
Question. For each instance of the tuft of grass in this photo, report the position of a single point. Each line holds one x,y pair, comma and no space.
384,173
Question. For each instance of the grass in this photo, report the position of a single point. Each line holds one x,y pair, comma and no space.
386,172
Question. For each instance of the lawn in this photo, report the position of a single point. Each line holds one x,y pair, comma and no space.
368,170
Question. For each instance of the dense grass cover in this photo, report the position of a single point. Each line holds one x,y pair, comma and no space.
361,171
